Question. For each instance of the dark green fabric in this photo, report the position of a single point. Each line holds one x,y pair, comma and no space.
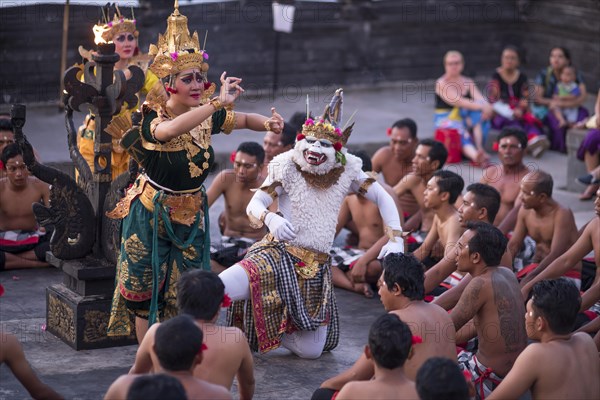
170,169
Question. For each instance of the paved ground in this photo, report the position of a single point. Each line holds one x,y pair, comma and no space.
87,374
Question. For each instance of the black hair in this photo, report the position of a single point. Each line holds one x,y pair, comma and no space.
518,133
10,151
200,294
6,125
288,135
156,387
565,52
177,342
441,378
297,120
390,341
488,241
406,271
366,160
253,149
512,48
449,182
543,183
409,124
487,197
437,151
558,301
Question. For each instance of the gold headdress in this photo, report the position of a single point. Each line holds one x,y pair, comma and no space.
327,126
109,29
176,50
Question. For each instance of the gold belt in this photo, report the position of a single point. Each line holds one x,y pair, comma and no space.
183,207
310,259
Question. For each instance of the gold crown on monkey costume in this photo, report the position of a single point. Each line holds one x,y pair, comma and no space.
176,50
327,126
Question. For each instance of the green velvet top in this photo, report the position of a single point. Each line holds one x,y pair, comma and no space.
182,163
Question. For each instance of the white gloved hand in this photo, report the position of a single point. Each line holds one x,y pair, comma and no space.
280,228
392,247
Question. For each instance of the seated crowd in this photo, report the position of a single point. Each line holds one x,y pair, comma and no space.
496,279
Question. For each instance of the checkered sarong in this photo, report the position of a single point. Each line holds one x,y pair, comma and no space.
484,379
344,255
281,301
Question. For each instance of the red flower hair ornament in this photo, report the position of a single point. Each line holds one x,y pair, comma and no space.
226,301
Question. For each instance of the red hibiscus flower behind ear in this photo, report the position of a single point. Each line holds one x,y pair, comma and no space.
388,132
232,157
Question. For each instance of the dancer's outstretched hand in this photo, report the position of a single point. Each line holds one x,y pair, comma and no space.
392,247
230,89
280,228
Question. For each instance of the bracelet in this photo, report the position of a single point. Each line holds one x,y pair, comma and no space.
216,103
392,233
263,216
267,125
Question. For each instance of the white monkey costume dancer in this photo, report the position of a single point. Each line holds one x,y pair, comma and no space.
286,277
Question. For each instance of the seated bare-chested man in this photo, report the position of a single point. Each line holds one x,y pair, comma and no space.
430,156
402,293
390,345
395,161
548,223
22,244
236,186
490,308
562,365
6,137
506,178
587,242
200,294
480,203
368,227
440,194
179,349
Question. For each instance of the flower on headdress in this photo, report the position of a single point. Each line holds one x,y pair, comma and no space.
388,132
174,56
205,55
133,20
338,131
122,20
207,85
1,165
226,301
321,121
309,122
337,146
300,137
416,340
110,24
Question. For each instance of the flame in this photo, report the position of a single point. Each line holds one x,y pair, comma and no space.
99,30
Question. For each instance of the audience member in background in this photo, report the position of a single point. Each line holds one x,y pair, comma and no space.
508,92
390,345
561,365
395,160
459,105
274,144
566,88
589,153
545,98
22,243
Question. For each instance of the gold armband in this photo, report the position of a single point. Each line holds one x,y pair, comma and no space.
392,234
216,103
229,123
258,223
267,125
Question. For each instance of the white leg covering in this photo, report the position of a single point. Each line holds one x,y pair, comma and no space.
306,344
237,285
